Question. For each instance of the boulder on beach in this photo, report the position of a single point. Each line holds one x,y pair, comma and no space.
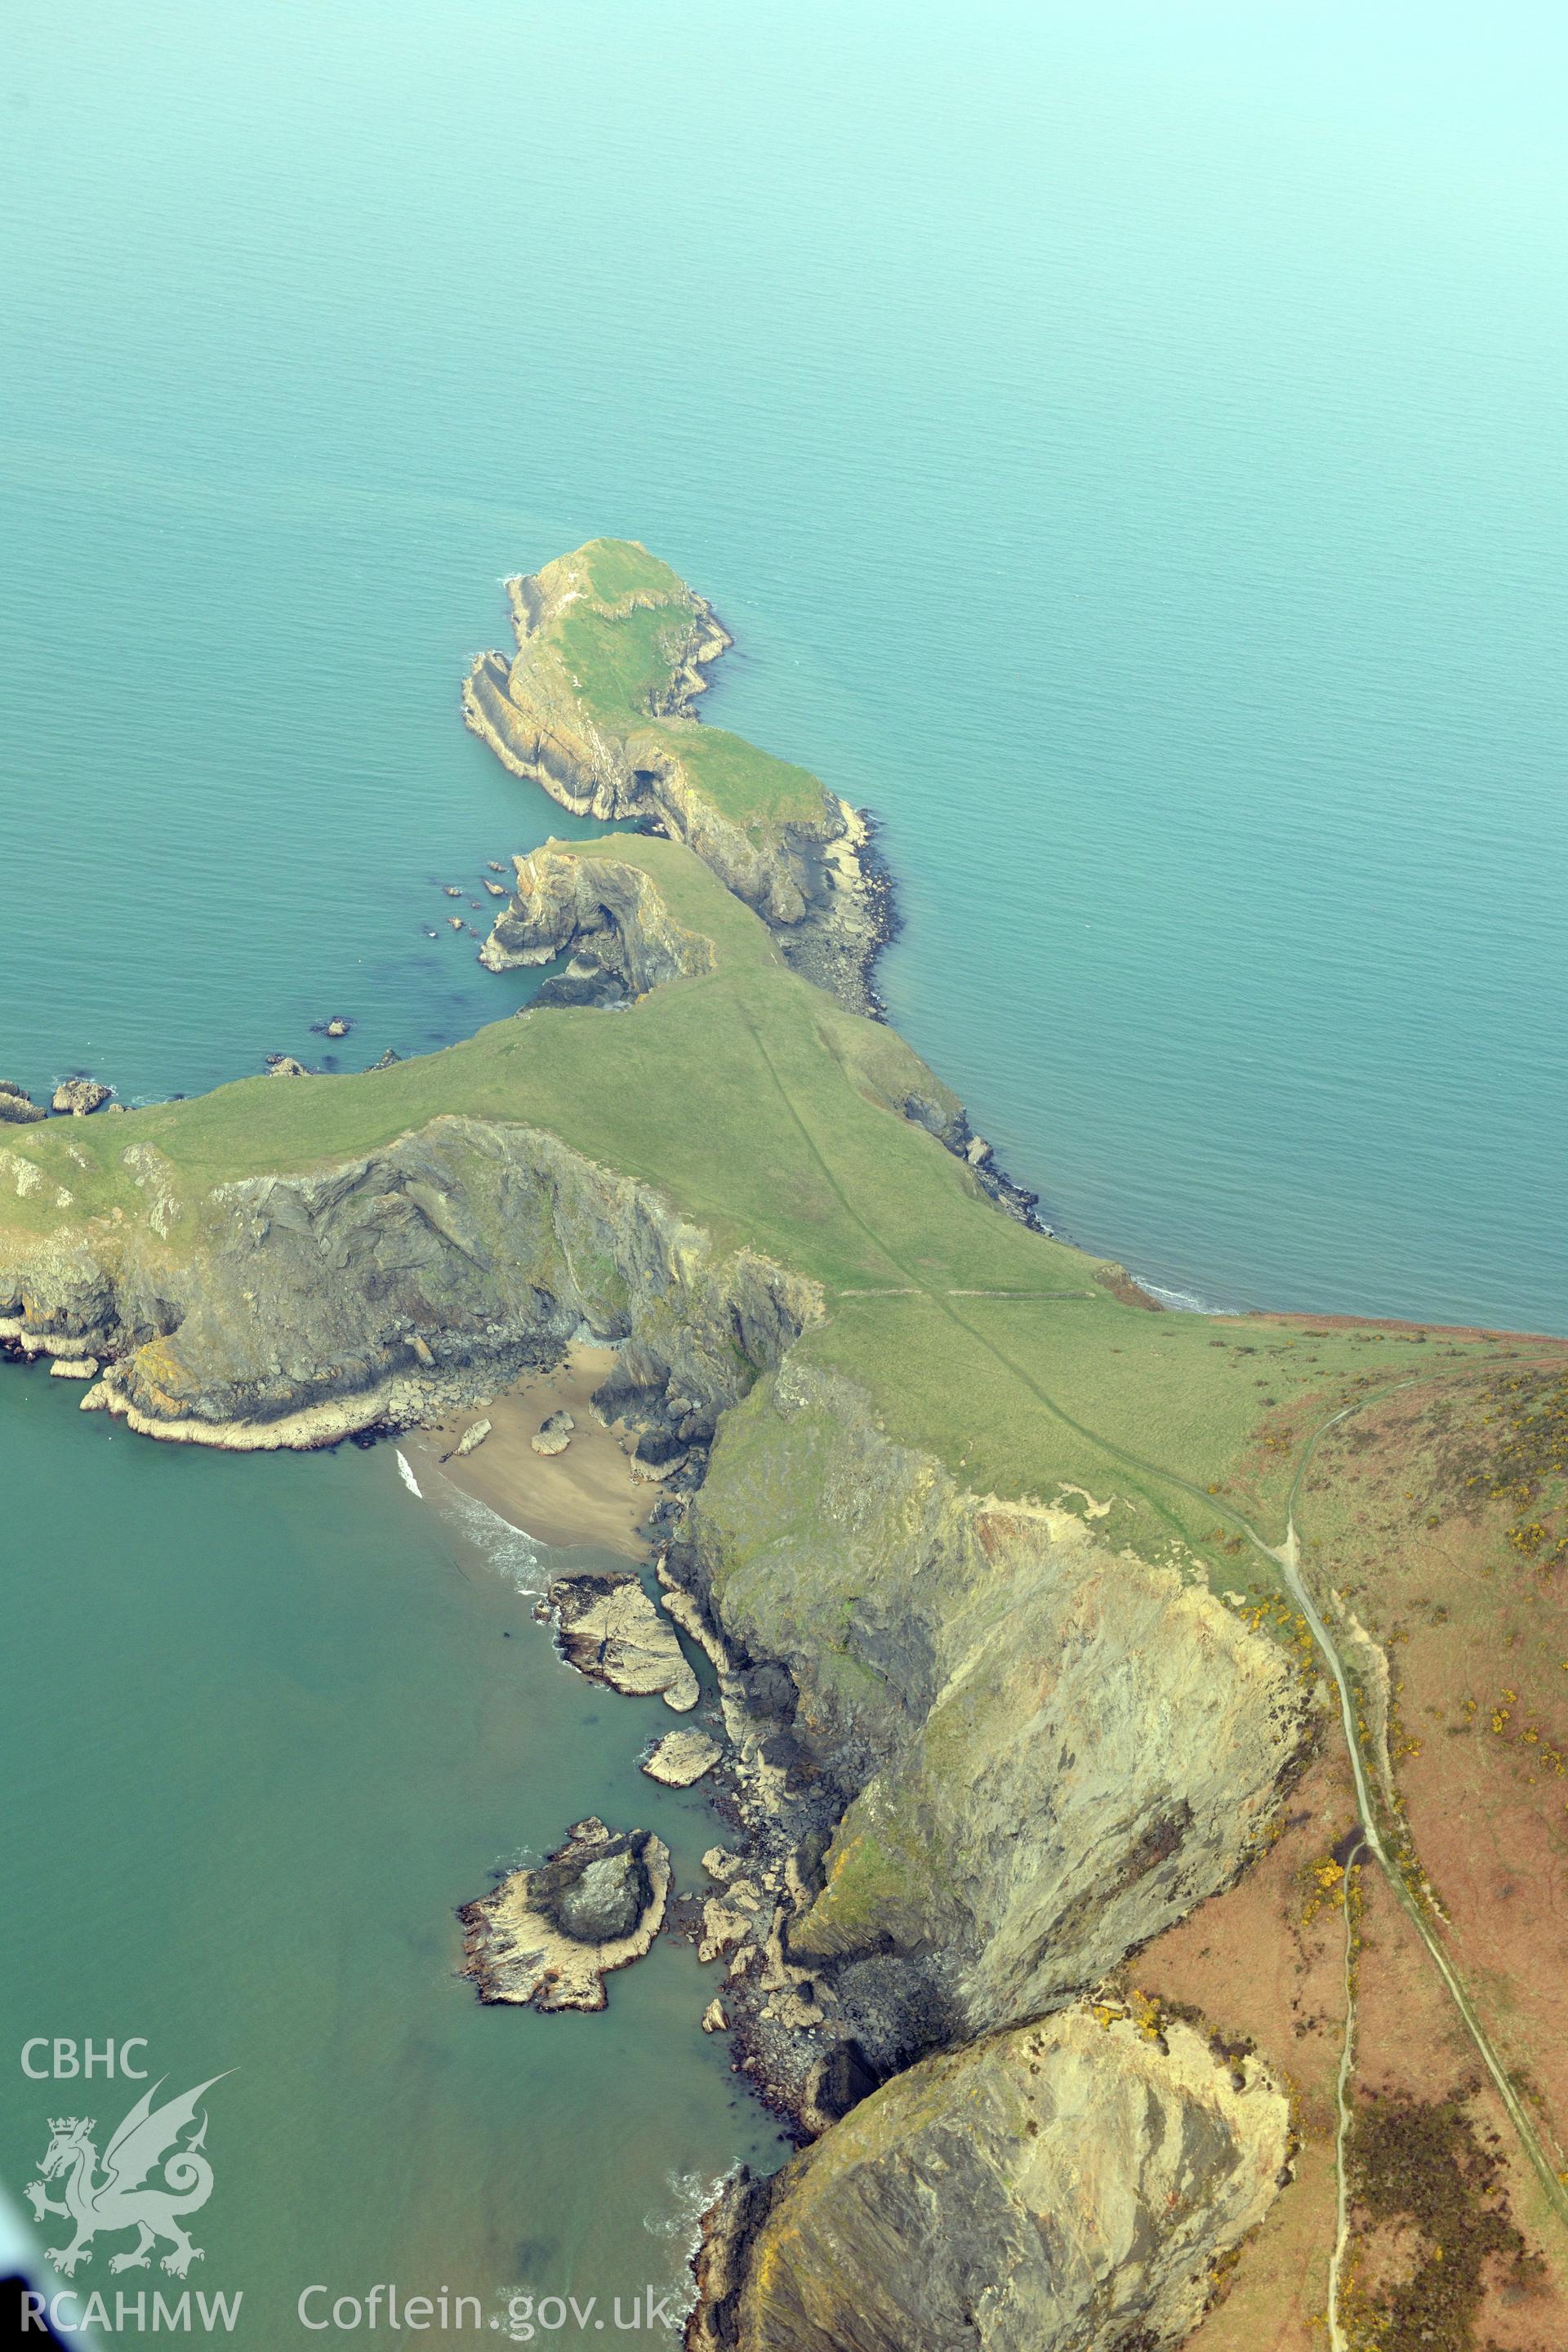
474,1434
553,1434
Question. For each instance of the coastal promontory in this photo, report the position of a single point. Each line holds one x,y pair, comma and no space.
1121,1707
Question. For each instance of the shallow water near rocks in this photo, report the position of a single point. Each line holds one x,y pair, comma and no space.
268,1721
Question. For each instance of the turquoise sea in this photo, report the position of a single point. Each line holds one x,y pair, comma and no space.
1129,446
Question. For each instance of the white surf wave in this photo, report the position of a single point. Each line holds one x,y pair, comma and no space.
512,1553
406,1474
1187,1301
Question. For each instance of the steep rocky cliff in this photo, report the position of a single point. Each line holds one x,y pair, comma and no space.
1045,1750
596,704
942,1497
296,1309
1064,2187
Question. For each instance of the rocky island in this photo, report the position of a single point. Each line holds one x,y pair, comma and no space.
1093,1868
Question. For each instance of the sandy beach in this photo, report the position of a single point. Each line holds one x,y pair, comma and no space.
585,1495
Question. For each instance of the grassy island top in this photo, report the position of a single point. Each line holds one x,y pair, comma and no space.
605,632
772,1117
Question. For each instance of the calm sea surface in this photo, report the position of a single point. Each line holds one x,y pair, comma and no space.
1129,445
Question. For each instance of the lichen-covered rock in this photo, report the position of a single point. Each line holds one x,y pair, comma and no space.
610,918
605,1901
1063,2187
299,1308
611,1630
78,1097
551,1935
681,1758
18,1107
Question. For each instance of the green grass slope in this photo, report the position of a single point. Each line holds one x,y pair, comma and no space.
770,1116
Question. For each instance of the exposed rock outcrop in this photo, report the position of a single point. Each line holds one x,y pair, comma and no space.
551,1935
1045,1751
611,1630
18,1107
609,917
1062,2187
681,1758
299,1309
76,1097
812,876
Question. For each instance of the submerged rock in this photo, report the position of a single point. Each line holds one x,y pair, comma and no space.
682,1758
80,1095
1063,2187
551,1935
611,1630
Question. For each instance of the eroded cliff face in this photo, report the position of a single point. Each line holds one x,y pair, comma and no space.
1063,2187
990,1755
1046,1751
811,876
610,919
297,1309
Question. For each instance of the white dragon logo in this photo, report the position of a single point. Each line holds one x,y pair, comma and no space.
124,2199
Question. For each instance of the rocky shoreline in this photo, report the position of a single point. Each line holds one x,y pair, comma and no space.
977,1752
815,879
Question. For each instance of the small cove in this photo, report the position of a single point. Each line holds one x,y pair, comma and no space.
270,1719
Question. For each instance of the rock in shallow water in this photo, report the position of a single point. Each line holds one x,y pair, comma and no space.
611,1630
682,1758
16,1106
80,1095
551,1935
